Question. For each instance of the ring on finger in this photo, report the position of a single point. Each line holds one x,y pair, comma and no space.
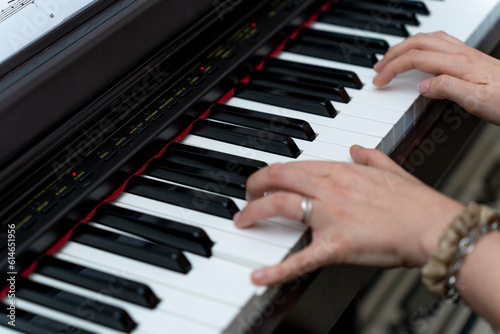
307,204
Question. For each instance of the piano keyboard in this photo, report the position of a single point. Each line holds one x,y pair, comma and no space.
110,276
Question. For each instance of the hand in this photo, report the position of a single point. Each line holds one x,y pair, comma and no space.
371,213
465,75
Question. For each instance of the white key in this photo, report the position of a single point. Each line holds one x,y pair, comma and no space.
9,330
376,98
398,87
200,280
367,126
401,121
325,150
363,125
344,137
147,320
490,17
450,18
241,151
274,234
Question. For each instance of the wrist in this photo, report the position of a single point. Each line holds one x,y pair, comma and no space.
440,273
434,230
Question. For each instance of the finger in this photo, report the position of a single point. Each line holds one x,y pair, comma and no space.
470,96
276,204
281,177
426,61
427,42
319,168
296,265
444,36
374,158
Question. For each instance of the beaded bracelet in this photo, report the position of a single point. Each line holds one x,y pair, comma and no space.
440,272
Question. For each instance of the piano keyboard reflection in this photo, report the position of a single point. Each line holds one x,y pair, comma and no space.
165,256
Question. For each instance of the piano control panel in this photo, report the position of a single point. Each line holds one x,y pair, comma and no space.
162,94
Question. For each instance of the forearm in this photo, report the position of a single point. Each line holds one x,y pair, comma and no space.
479,278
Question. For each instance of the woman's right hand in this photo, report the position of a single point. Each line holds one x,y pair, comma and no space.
372,213
464,75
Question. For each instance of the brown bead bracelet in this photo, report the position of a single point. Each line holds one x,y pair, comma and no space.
440,272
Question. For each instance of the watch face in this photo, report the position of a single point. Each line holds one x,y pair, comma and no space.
22,22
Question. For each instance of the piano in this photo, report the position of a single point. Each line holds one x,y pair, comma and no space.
129,131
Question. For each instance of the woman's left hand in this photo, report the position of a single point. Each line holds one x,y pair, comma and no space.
464,75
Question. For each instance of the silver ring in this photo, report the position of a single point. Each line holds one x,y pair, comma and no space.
307,205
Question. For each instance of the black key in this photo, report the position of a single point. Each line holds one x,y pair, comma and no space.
286,99
294,84
117,287
143,251
317,74
208,159
219,182
398,6
205,169
353,44
351,21
34,324
274,123
381,16
184,197
331,53
75,305
158,230
256,139
347,49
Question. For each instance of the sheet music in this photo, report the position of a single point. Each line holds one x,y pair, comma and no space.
24,21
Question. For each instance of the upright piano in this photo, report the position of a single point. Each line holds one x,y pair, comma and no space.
128,132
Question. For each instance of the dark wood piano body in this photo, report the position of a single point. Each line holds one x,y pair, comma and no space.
52,95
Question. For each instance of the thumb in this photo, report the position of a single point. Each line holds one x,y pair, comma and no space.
296,265
373,158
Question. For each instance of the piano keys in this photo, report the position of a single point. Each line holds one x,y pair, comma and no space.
188,195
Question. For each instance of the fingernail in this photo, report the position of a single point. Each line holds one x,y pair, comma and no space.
236,217
375,78
423,86
377,64
259,276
